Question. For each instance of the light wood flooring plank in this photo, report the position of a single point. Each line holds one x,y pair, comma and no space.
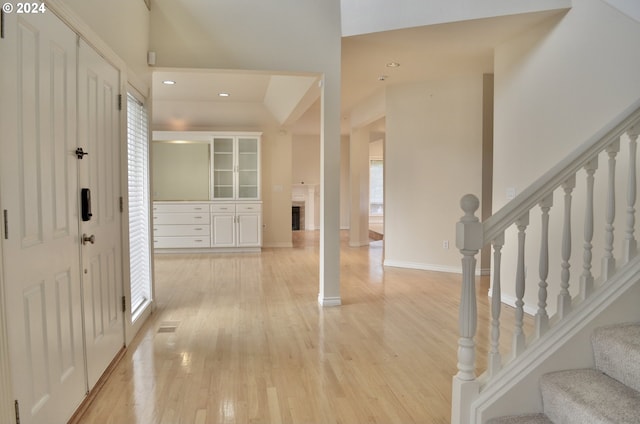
251,344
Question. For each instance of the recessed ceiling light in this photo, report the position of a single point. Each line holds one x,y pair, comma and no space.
382,77
393,65
223,94
168,82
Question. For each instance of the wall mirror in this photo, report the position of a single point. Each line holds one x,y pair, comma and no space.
180,170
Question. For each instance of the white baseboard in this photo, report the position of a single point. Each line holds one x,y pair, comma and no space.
359,244
282,244
178,250
511,301
329,301
431,267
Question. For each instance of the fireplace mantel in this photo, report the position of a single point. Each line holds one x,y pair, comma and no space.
306,193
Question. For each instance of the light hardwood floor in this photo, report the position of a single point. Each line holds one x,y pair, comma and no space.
240,338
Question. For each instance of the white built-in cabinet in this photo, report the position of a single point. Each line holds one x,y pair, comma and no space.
236,225
236,173
178,225
229,216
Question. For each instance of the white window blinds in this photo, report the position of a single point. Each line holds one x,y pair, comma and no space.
376,187
138,188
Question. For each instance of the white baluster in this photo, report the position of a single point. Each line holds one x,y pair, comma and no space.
630,243
586,279
542,318
469,240
609,262
495,359
518,333
564,298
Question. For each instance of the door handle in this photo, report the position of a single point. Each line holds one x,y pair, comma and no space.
88,239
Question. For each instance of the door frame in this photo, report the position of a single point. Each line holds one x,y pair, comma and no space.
7,413
127,80
132,328
6,393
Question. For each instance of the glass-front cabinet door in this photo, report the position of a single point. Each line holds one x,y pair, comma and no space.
223,168
248,168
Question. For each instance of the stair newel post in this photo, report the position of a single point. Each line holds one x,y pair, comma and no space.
495,359
630,243
542,317
608,261
469,240
564,298
518,332
586,279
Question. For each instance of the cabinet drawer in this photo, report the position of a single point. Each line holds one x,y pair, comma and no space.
223,208
248,207
180,218
177,242
180,230
180,207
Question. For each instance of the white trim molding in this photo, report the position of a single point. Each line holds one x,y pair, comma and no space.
7,413
329,301
431,267
277,245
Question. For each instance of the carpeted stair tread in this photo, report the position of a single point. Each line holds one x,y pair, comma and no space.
617,352
522,419
588,396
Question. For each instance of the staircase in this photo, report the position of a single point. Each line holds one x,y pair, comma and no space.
608,393
556,374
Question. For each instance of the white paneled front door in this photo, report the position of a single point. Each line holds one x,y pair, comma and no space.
63,297
99,171
38,197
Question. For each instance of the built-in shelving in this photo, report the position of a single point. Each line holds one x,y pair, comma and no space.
234,218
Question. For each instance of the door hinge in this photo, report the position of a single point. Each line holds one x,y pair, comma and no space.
124,304
121,204
17,408
5,219
1,23
119,101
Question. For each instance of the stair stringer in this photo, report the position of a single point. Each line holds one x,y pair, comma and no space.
515,389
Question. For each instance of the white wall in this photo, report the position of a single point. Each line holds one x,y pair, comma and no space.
359,186
345,190
306,167
555,86
376,149
629,7
361,17
306,159
123,25
433,155
276,188
288,35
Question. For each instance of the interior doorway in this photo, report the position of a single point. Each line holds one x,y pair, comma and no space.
376,190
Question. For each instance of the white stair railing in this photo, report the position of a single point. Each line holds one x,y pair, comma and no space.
537,200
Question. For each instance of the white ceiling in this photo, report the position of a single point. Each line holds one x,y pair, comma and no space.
257,99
